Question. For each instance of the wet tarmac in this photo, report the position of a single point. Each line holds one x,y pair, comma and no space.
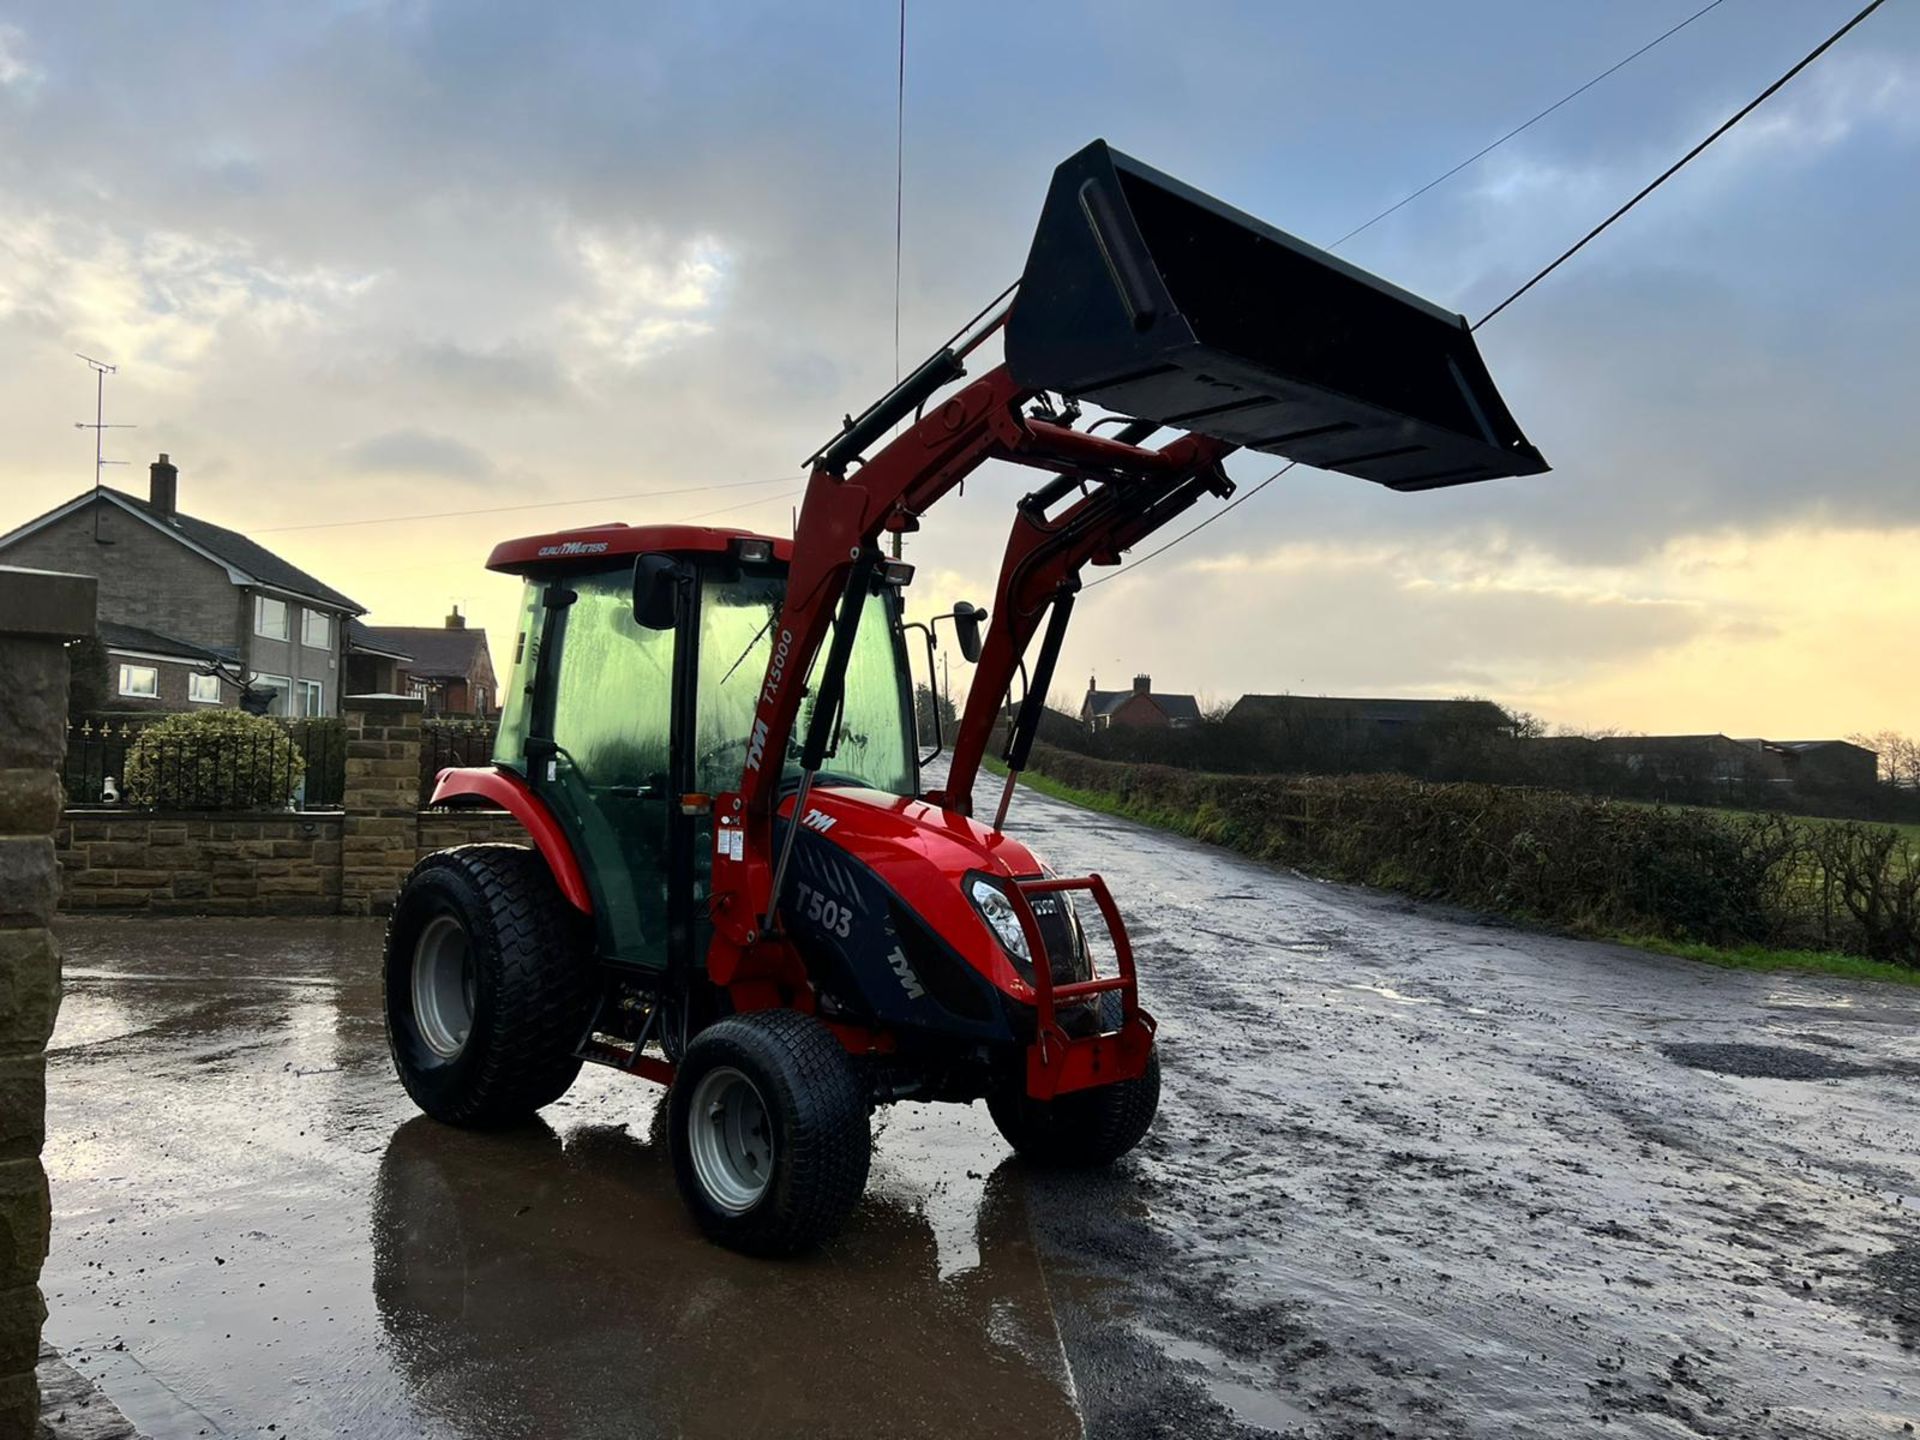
1414,1175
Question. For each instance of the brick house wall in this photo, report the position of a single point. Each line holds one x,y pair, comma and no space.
145,579
171,677
1139,710
159,584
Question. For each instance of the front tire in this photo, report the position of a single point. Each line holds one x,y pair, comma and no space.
768,1125
1083,1128
488,982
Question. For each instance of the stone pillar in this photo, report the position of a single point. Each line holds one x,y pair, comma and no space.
380,834
39,614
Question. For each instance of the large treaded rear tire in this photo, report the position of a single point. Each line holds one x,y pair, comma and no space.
816,1110
531,985
1083,1128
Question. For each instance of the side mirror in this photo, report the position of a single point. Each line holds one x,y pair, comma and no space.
656,592
966,629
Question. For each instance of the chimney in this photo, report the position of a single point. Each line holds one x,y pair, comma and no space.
1143,684
456,621
163,487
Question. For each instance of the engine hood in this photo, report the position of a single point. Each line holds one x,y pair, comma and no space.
923,854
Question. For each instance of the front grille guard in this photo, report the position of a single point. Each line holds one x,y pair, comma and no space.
1058,1063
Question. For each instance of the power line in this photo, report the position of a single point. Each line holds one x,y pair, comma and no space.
1673,169
899,203
1486,150
509,509
1566,255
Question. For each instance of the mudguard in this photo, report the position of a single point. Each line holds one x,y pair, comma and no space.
516,797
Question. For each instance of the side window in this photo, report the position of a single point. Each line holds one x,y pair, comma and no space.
516,706
613,701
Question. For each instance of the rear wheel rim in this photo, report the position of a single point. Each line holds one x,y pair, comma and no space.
443,985
731,1140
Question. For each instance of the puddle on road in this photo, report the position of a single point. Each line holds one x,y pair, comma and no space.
245,1199
1387,992
1232,1386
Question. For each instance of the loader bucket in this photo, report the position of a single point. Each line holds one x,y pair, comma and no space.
1158,302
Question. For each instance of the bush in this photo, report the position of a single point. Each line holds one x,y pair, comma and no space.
1577,861
213,760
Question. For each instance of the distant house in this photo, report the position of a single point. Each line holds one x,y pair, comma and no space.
1378,718
1720,760
1142,705
1831,764
188,608
448,665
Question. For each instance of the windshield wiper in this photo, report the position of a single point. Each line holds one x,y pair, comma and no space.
771,615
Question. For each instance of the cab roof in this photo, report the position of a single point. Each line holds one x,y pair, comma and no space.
593,544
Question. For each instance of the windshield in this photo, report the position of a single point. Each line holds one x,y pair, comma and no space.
738,616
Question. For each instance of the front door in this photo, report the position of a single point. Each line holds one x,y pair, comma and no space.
608,774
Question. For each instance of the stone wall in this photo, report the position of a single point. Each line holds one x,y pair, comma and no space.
199,864
444,829
382,802
41,613
315,862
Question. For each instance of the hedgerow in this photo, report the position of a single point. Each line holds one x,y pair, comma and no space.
1577,861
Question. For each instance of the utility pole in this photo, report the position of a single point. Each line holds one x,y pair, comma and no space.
101,369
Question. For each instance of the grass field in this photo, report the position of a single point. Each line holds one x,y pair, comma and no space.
1745,957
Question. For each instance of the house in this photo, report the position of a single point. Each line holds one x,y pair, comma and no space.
448,665
1703,761
189,609
1142,705
1371,718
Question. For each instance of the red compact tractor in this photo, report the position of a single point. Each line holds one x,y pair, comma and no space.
737,886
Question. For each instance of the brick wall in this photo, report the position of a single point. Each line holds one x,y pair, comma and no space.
198,864
39,613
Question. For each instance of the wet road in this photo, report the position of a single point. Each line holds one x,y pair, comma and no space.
1413,1176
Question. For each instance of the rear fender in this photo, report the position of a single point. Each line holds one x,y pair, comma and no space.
516,797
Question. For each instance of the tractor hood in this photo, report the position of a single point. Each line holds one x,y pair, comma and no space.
878,891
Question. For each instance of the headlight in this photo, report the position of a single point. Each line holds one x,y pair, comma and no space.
997,910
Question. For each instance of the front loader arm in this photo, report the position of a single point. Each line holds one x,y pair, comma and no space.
1041,572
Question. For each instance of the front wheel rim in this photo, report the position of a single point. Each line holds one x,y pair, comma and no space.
443,986
730,1136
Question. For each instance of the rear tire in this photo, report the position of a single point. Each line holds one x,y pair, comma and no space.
489,984
767,1120
1082,1128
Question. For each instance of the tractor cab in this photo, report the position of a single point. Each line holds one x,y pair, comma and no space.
638,659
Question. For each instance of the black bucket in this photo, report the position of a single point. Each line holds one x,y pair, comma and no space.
1158,302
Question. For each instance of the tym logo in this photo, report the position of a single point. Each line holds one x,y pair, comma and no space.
817,821
908,981
756,744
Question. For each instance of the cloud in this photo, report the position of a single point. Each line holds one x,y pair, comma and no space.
419,452
17,73
646,292
159,299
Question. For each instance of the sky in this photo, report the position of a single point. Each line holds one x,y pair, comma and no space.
366,261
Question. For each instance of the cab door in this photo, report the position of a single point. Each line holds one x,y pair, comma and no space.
601,753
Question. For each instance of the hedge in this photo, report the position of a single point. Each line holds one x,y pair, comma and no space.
1574,861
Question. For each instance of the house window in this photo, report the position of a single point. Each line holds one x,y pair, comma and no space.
203,689
316,629
269,617
480,700
312,697
142,682
280,688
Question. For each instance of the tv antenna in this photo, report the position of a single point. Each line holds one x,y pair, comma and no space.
101,369
100,421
